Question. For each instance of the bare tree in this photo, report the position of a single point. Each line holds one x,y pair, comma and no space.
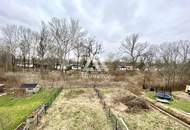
26,37
5,57
149,56
78,49
169,52
92,49
132,48
184,51
51,55
60,32
184,54
77,38
11,39
42,44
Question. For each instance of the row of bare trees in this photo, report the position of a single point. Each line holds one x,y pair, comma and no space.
54,42
171,59
175,62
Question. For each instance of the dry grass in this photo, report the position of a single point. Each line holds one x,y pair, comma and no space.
151,120
133,103
76,109
141,120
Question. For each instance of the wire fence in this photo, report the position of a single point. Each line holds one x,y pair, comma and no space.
118,123
34,119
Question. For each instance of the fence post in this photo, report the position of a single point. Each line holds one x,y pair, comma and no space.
37,118
109,112
116,125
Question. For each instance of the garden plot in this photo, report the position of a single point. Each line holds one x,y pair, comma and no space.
136,112
76,109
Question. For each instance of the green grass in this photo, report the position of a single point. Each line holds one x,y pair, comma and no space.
179,104
151,95
14,110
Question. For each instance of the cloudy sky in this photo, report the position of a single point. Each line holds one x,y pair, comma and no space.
109,20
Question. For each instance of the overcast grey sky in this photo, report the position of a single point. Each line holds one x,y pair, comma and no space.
109,20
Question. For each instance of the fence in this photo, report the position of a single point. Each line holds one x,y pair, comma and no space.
117,122
33,120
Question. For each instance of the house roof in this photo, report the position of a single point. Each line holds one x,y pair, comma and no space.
28,85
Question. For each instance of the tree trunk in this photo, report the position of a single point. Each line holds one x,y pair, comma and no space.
13,63
78,61
28,63
24,61
33,63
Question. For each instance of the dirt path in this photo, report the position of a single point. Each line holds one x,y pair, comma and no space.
77,109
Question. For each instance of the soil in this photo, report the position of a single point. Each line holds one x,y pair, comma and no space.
133,103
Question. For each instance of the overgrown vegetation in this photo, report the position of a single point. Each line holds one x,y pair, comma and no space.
14,110
151,120
120,100
80,112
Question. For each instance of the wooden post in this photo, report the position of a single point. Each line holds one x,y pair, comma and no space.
104,105
109,112
37,118
116,125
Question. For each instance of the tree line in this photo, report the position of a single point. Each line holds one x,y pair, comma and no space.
170,59
59,38
52,44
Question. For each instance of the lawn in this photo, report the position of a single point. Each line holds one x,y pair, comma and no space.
14,110
179,104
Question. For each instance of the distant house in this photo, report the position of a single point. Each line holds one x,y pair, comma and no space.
129,67
27,66
187,90
125,67
75,67
2,88
30,88
122,68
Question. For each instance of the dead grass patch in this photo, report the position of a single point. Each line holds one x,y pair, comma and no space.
82,112
74,93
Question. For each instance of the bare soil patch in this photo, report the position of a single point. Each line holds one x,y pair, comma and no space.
134,104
